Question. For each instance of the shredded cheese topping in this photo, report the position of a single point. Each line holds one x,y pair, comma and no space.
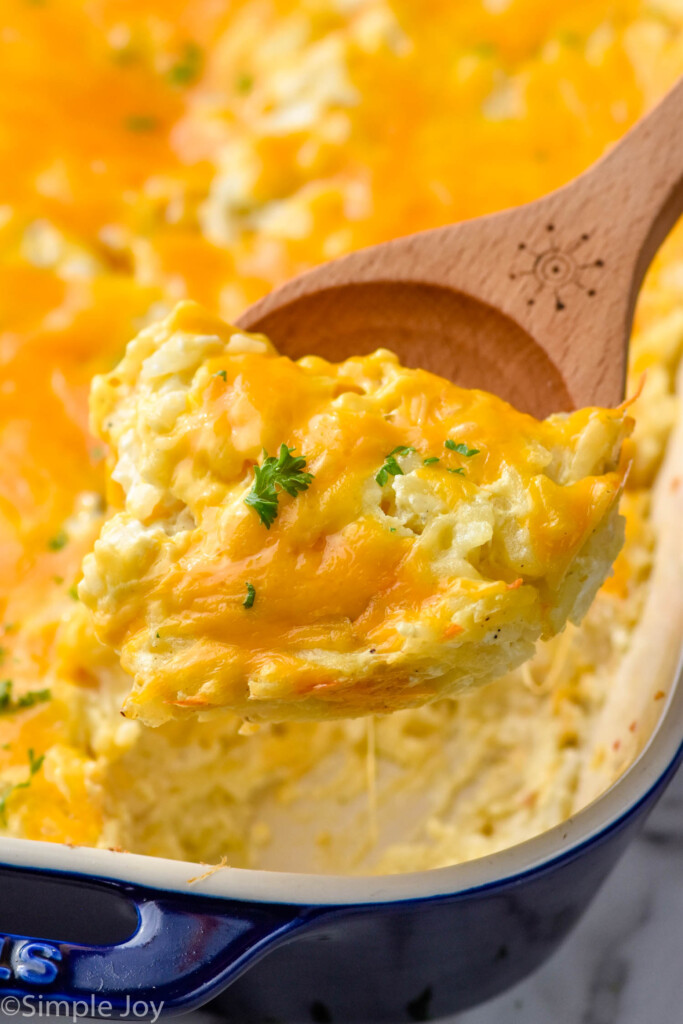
384,579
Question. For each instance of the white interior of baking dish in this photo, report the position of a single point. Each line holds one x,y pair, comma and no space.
283,887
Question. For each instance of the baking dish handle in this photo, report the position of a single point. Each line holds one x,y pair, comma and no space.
183,951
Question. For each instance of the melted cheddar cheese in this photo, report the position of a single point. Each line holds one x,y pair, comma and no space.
373,589
160,150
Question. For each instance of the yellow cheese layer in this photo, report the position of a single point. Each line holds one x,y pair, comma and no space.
437,535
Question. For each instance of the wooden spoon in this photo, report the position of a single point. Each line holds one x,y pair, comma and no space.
534,303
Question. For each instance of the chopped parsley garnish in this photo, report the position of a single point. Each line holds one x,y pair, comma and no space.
8,704
432,458
223,374
188,67
462,449
284,472
244,83
391,466
141,123
34,765
73,593
460,471
27,700
57,542
251,594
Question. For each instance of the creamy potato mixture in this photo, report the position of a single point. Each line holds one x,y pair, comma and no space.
158,151
391,576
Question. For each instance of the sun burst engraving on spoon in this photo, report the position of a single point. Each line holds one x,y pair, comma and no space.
557,269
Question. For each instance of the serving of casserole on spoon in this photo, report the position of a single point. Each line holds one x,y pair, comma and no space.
307,538
310,539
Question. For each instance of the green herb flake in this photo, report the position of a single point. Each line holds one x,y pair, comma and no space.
223,374
34,766
459,471
461,448
432,459
8,704
141,123
188,67
284,472
5,694
391,466
244,83
73,593
249,599
158,637
402,449
27,700
57,542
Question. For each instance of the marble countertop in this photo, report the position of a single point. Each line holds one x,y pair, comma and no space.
622,963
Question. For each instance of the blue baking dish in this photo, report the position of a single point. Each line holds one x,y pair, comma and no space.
118,935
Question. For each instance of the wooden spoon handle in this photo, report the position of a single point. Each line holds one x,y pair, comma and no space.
639,185
586,248
566,269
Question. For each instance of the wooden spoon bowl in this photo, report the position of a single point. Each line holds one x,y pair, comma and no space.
427,326
534,304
